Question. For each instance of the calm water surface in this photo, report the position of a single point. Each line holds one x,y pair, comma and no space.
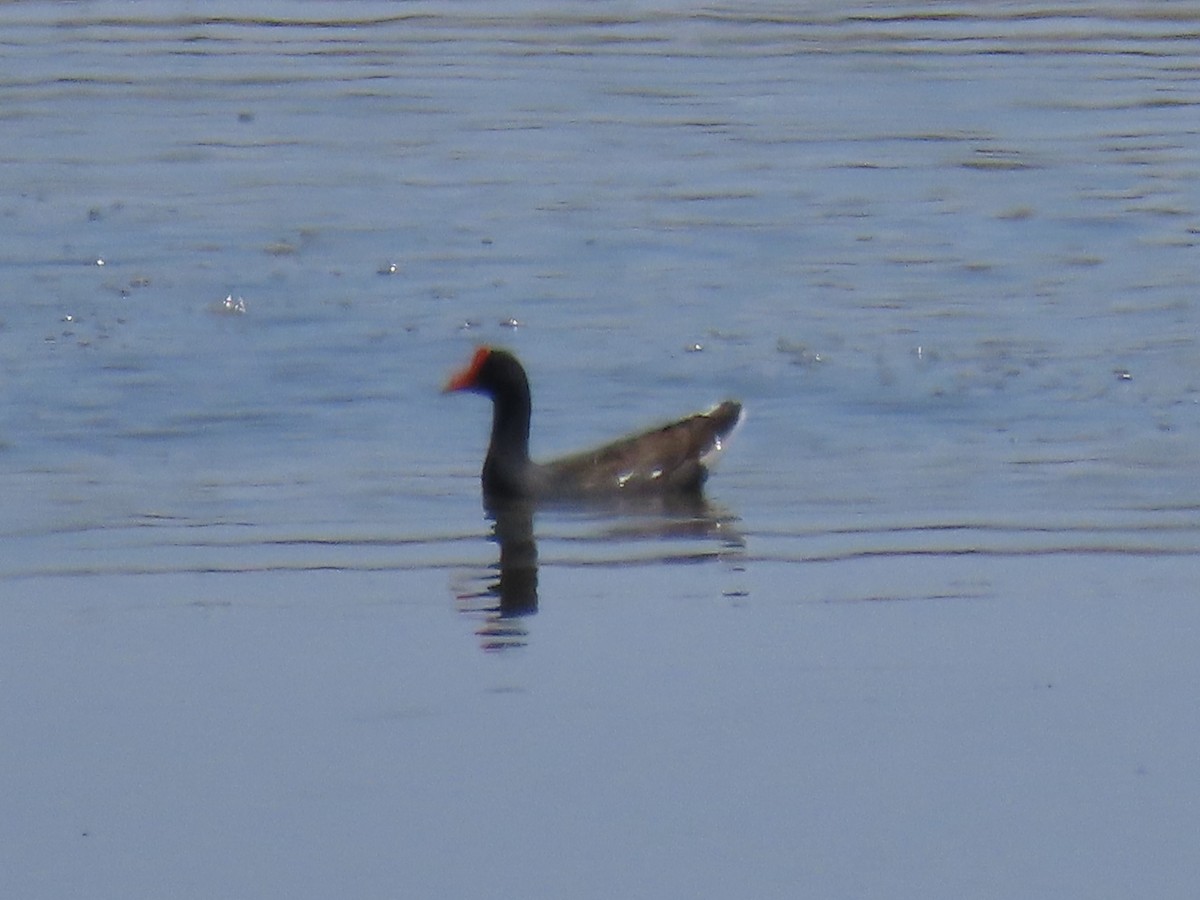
945,253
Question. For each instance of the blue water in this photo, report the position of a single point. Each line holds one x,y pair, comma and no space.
945,255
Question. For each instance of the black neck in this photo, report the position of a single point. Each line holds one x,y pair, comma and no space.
510,426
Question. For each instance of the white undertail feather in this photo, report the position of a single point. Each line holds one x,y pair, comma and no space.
709,458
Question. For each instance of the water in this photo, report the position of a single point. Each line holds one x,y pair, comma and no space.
945,254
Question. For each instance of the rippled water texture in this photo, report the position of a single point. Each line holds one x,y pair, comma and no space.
948,260
946,254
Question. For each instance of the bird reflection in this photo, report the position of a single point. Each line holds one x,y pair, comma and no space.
510,593
512,529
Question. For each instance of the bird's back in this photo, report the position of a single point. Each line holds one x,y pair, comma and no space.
671,458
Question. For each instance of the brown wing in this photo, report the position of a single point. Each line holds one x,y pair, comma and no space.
673,458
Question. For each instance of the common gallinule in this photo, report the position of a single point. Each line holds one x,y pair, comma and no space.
672,459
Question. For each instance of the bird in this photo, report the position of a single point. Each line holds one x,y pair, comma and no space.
669,461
